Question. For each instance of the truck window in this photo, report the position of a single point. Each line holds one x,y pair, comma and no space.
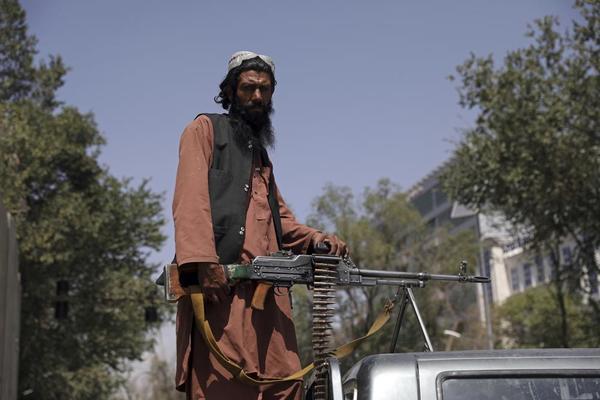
522,388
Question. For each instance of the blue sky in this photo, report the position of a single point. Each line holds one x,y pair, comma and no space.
363,90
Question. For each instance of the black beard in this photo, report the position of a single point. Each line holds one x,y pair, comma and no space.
252,123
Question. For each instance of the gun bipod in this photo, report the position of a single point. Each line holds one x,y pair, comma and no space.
406,297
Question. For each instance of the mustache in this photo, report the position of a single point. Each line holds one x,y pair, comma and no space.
255,105
255,113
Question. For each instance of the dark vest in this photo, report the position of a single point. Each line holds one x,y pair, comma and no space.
229,185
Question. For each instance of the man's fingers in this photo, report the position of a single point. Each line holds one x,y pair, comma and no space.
343,249
336,246
214,295
211,296
319,237
217,294
333,245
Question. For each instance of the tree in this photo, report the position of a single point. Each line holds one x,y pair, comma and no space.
384,231
529,319
83,235
534,153
154,384
19,78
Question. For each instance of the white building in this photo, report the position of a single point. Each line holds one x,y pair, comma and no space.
503,256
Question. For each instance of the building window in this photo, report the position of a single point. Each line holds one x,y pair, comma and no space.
527,275
440,197
593,277
541,272
567,255
553,268
514,278
424,202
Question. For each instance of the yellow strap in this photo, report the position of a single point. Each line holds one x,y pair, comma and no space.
238,372
380,321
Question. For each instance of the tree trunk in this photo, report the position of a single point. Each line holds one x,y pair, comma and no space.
560,294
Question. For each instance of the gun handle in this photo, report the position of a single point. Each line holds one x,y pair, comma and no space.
260,295
322,248
173,289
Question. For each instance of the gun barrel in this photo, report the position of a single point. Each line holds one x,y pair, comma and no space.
401,282
421,276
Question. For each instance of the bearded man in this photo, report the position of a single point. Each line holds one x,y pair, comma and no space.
227,209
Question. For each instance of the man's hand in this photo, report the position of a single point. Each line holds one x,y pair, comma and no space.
336,246
213,282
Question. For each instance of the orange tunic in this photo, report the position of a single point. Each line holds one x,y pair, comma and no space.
263,342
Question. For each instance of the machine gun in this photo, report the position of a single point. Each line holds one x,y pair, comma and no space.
323,273
284,269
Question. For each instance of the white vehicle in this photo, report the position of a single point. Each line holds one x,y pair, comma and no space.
541,374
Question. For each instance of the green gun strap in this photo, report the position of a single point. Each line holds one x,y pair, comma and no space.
239,373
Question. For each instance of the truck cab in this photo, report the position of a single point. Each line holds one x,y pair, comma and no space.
544,374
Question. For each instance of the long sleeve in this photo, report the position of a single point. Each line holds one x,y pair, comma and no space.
194,237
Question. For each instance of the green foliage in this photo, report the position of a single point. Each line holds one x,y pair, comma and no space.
19,78
530,319
534,153
154,384
17,49
301,311
383,231
75,223
161,381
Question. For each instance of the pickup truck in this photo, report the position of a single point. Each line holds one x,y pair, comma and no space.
541,374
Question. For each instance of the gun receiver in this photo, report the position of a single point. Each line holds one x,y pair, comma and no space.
286,269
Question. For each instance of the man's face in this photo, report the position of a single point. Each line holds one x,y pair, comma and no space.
252,101
254,91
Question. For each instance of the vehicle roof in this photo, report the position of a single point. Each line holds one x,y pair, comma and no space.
479,354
